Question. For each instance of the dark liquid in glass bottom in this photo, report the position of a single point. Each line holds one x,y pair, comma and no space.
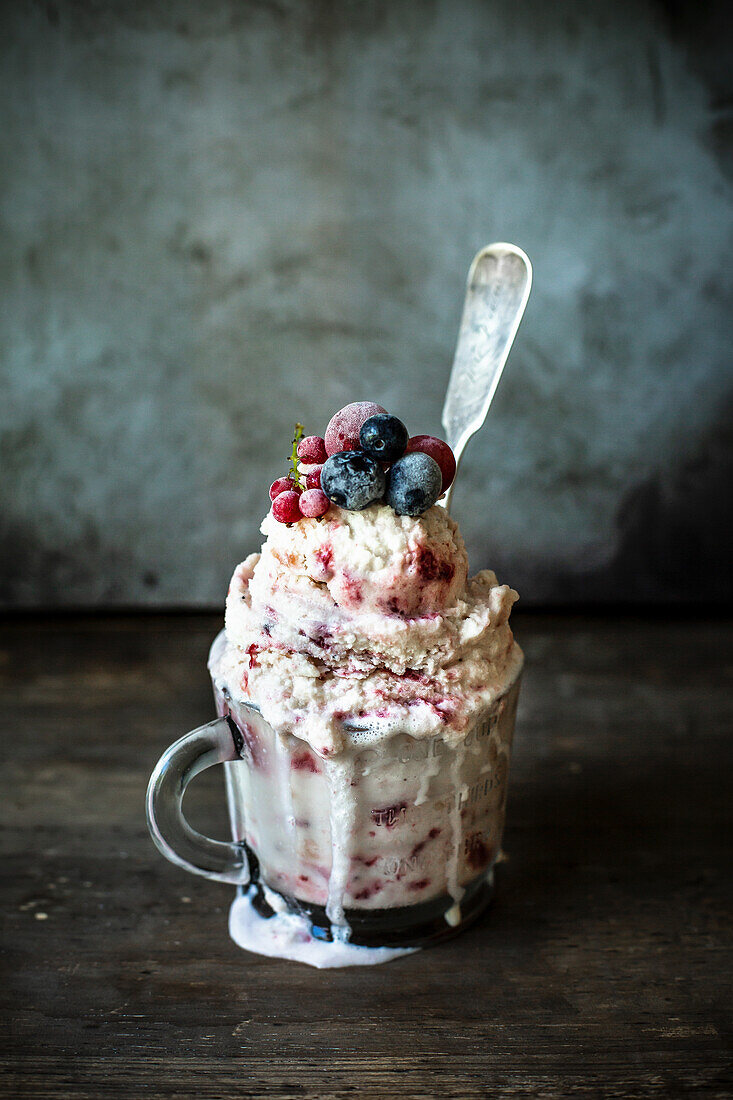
408,926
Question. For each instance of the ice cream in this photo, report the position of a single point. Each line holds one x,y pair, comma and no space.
371,798
368,616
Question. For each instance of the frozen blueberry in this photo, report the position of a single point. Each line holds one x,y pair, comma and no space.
352,480
414,484
440,451
383,437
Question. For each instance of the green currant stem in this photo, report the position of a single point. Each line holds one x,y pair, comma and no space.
294,471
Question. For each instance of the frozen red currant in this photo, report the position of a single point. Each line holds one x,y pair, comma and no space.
438,450
314,503
313,478
283,485
312,449
342,433
286,507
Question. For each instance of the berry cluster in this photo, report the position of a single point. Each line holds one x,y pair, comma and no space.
365,456
291,500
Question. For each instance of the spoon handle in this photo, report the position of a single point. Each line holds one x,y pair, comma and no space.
499,282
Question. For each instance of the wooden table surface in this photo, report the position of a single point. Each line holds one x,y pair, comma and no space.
603,967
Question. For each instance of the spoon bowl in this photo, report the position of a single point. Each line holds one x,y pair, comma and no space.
499,282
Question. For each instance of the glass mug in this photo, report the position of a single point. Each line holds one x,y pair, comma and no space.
392,843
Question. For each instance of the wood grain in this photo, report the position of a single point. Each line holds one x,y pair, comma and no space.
602,969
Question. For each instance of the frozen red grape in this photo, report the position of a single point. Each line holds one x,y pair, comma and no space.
342,433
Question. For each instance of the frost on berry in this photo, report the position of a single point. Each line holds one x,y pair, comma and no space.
314,503
312,449
313,478
286,507
283,485
437,450
342,433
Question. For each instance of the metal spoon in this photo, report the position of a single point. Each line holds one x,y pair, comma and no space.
499,282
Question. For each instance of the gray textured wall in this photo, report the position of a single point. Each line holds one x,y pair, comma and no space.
218,218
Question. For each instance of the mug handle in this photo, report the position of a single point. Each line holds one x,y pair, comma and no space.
214,743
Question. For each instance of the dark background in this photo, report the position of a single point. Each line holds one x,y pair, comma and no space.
220,218
217,217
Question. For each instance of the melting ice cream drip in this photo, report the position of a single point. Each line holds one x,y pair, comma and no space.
342,813
456,891
287,935
284,763
431,768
